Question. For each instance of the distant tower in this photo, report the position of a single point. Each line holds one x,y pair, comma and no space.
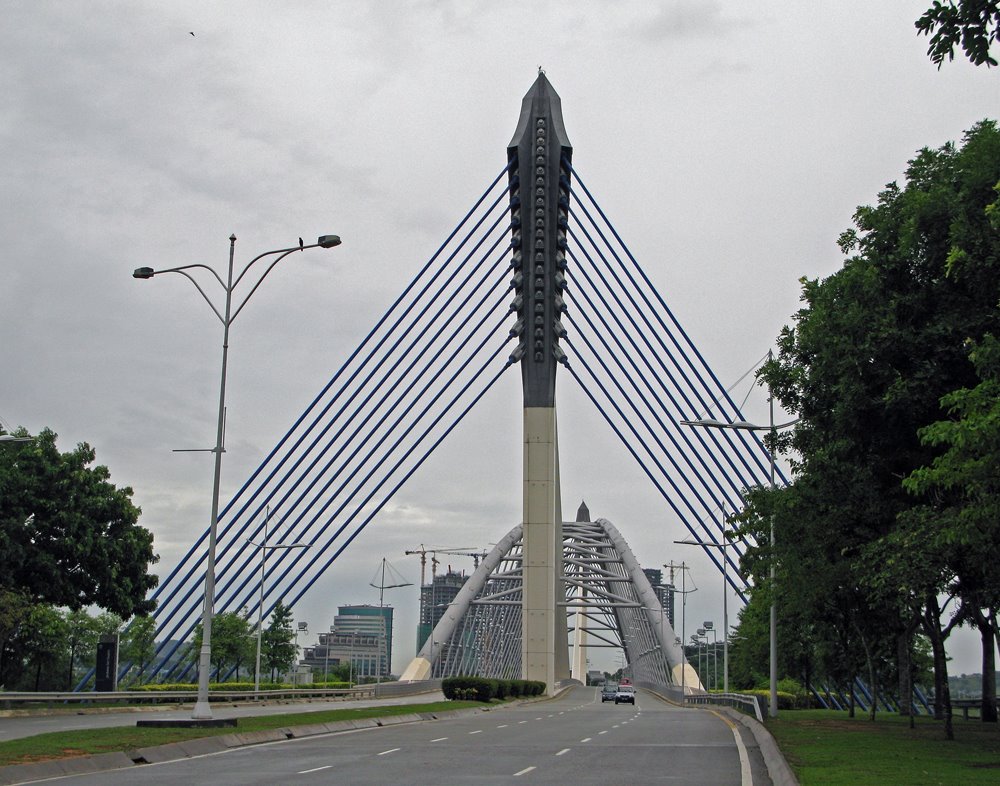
539,180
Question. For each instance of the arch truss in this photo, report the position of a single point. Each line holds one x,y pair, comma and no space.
608,601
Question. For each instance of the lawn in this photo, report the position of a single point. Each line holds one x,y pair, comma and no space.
827,748
66,744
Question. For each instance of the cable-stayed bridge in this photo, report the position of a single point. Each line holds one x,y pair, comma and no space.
535,276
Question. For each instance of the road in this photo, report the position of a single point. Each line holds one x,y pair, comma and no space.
572,739
16,727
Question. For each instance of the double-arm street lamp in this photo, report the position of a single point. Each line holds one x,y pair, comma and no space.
743,425
202,708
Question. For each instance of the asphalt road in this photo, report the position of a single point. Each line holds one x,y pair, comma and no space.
13,728
573,739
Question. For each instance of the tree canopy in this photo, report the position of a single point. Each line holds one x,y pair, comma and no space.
972,24
68,536
874,364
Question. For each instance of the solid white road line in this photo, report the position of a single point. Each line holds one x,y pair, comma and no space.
746,775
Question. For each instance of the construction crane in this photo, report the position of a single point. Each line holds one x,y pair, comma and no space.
476,555
423,551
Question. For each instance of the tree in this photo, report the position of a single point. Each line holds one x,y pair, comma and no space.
232,643
870,356
973,24
44,638
15,608
82,635
278,652
138,643
963,484
68,536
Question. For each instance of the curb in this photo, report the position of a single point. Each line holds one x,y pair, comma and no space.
777,767
200,746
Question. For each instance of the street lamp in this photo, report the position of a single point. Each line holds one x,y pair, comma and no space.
725,596
202,708
264,548
710,628
772,709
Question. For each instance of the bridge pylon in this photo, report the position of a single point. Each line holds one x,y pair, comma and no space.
539,154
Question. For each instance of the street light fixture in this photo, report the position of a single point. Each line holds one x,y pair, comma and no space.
264,548
202,708
725,596
772,709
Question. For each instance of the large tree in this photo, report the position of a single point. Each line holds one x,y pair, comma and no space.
68,536
962,489
870,355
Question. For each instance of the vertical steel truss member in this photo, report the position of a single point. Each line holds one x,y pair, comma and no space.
539,205
480,632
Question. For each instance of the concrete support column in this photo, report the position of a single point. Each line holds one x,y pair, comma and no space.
543,623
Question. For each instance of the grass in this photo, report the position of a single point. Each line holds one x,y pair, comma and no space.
827,748
68,744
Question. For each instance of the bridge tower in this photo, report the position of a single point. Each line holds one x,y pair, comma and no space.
539,199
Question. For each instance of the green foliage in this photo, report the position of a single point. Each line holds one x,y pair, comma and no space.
138,644
872,354
68,536
483,689
232,643
277,649
971,24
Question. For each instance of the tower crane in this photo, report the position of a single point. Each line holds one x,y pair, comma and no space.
461,551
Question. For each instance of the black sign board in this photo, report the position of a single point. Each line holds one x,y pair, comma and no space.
106,673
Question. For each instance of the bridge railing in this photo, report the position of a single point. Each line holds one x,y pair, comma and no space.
741,701
8,699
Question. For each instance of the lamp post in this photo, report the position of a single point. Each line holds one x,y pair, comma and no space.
202,708
725,596
710,628
264,548
684,599
743,425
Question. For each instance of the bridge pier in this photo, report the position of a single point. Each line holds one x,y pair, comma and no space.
544,640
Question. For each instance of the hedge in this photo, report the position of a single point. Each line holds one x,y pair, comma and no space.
482,689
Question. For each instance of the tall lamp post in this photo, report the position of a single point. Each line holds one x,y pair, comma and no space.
725,597
202,708
264,548
742,425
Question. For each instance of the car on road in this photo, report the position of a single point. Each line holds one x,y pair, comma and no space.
625,695
608,692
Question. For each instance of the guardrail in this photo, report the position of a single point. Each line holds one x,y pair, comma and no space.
368,691
969,704
739,700
50,698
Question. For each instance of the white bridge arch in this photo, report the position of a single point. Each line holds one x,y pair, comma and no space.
608,602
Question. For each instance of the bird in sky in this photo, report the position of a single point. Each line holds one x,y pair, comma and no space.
301,244
190,33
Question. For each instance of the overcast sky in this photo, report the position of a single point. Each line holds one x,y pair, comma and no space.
730,143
